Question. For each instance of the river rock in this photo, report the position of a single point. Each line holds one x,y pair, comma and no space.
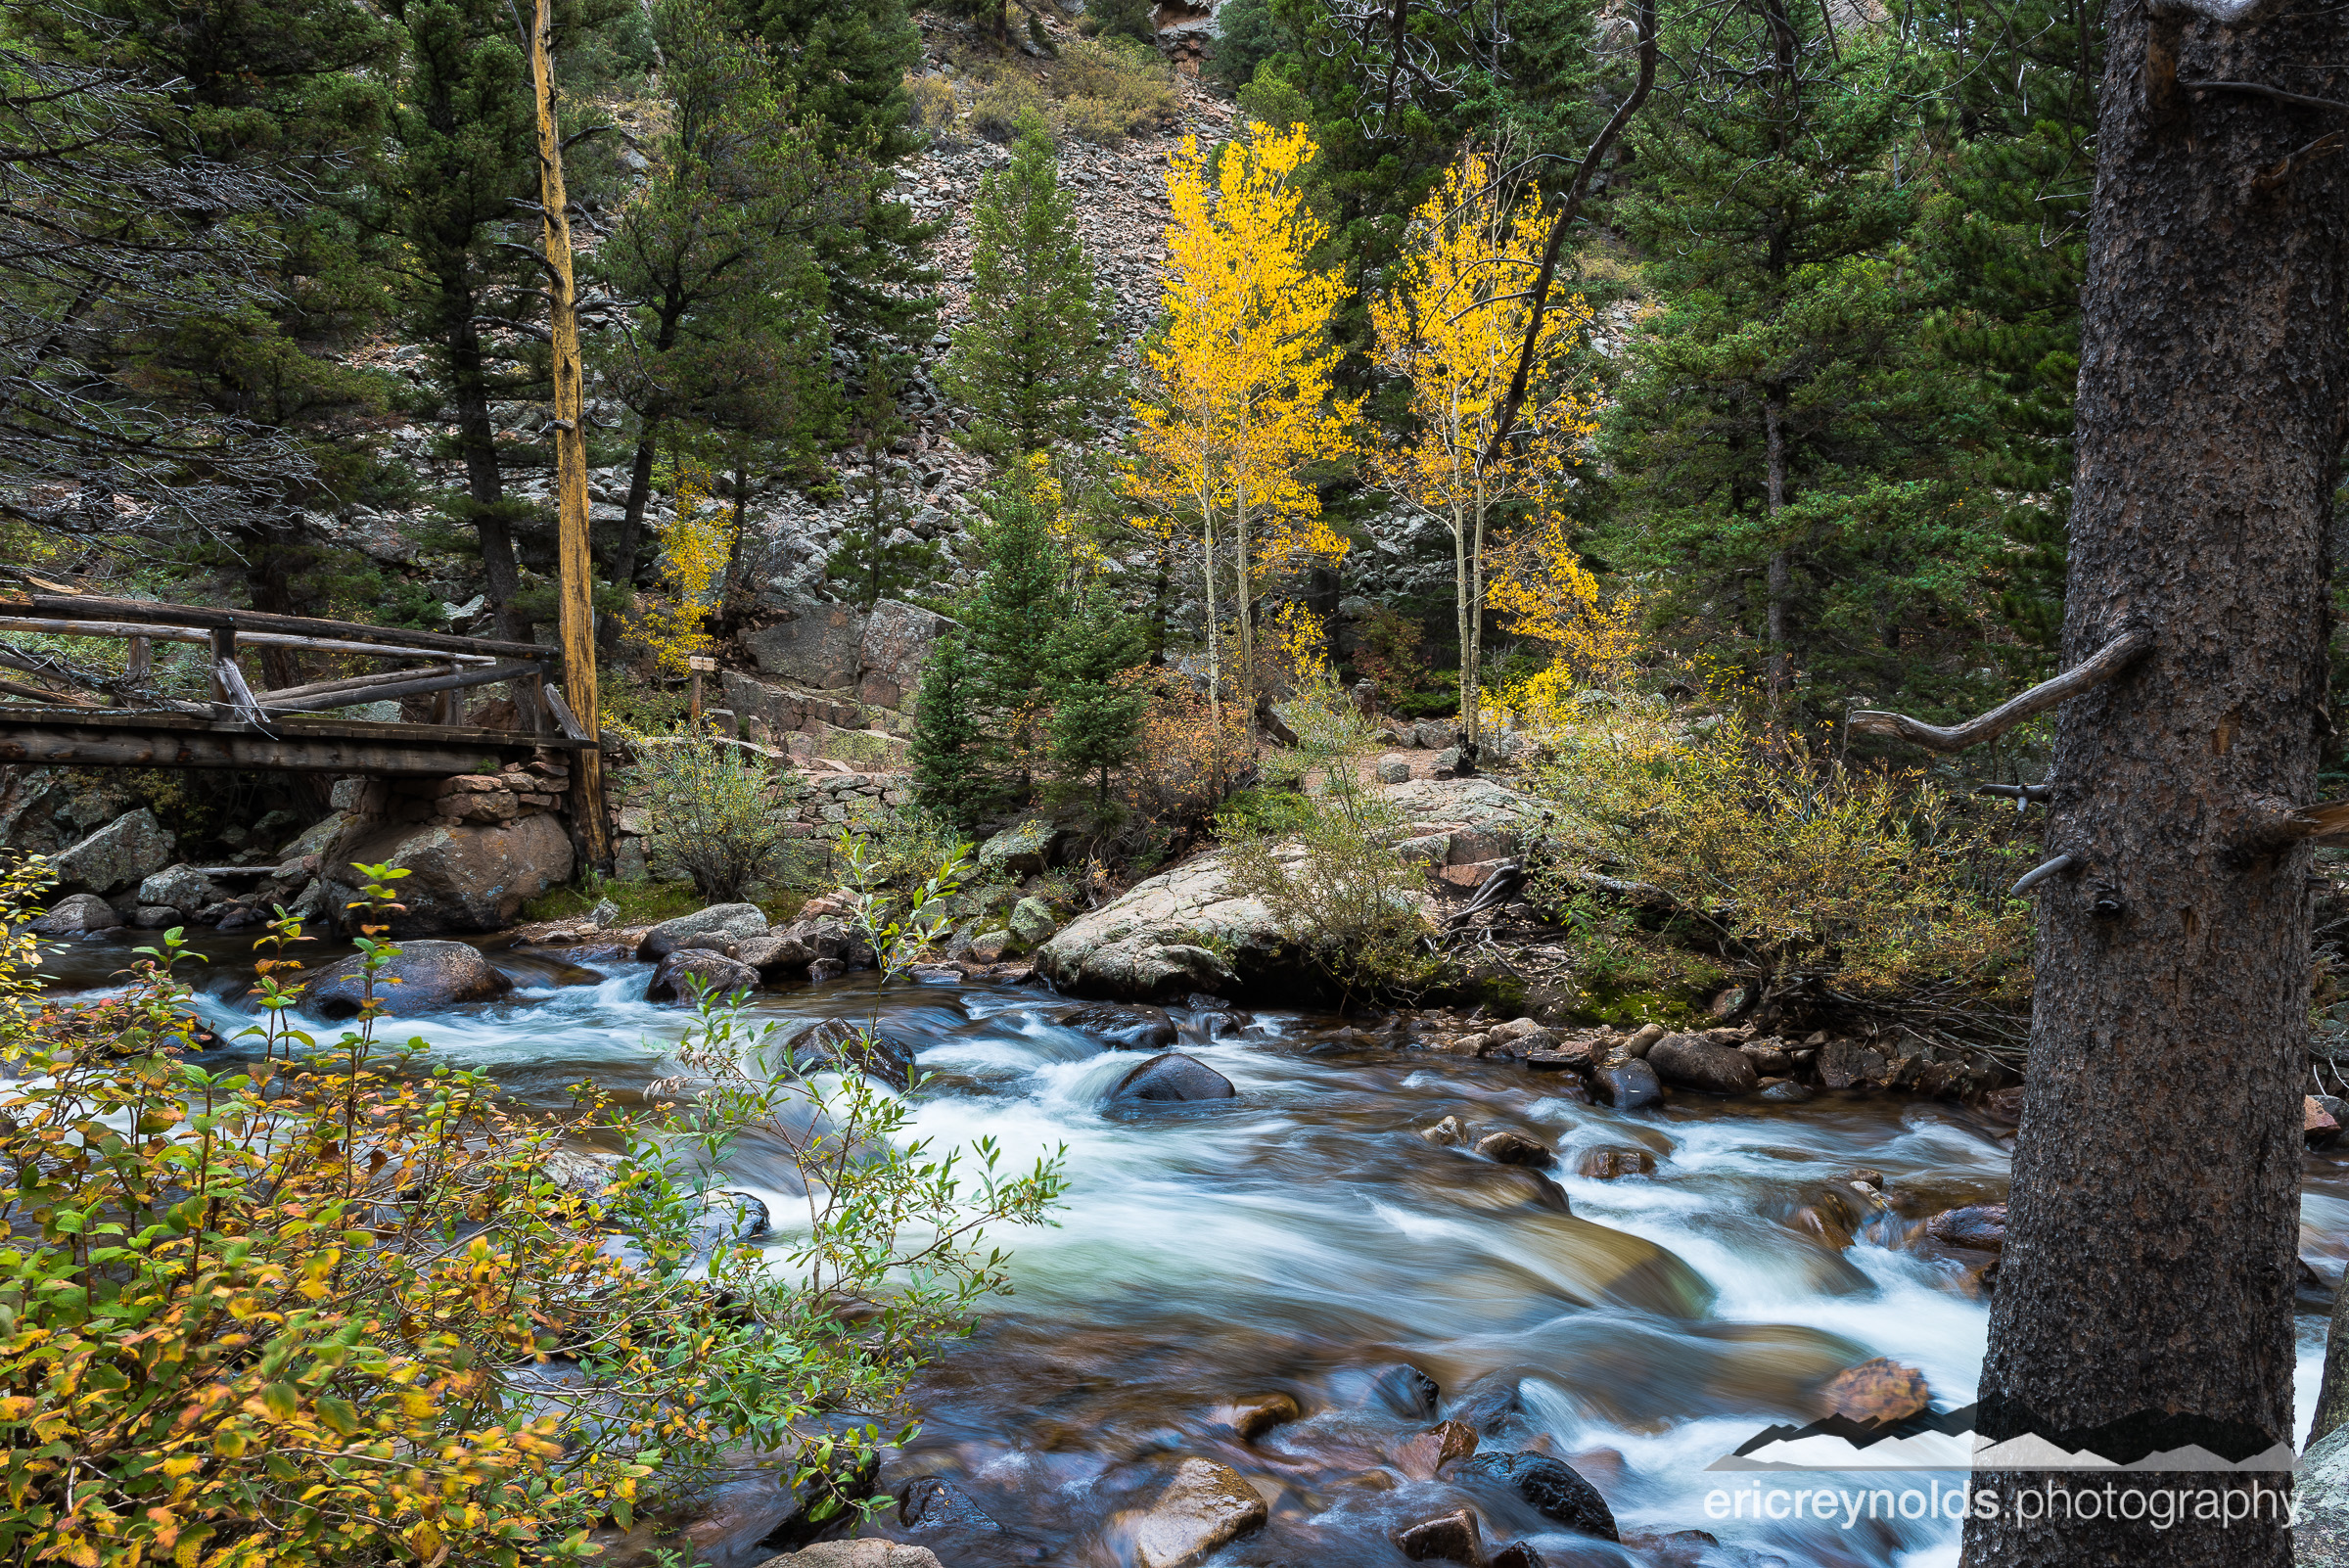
2320,1121
1201,1507
1627,1086
1607,1164
1032,921
120,854
2321,1495
460,878
1449,1134
1446,1538
1553,1489
717,927
1787,1092
774,956
1879,1390
837,1044
1517,1554
1254,1416
77,913
179,888
1644,1040
1852,1064
1697,1063
869,1553
688,970
818,645
1981,1226
1510,1147
932,1503
1130,1028
1405,1389
430,976
1424,1455
1174,1077
1151,945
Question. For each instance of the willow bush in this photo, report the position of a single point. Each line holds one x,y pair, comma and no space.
328,1302
715,811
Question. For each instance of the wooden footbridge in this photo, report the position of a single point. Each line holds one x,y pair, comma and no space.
70,716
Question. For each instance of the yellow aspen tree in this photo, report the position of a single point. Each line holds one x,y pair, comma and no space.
1455,326
1240,378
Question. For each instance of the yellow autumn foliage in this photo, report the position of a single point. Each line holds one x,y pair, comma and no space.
695,544
1240,380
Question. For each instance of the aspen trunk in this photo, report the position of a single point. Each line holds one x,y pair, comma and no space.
575,564
2145,1293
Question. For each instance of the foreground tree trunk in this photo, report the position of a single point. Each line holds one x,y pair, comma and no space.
2144,1297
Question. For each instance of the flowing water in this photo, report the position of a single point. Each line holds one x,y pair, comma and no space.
1302,1238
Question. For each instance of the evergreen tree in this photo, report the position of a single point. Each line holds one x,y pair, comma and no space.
1781,445
1010,619
1097,719
844,62
950,737
715,255
870,562
1033,357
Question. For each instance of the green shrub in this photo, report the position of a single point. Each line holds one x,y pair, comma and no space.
715,811
1093,119
996,113
934,104
336,1306
1132,87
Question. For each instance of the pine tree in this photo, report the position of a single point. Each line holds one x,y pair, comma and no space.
1010,618
870,564
1033,357
950,737
1096,718
1783,448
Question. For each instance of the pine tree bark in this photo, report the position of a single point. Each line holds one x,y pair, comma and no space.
2144,1297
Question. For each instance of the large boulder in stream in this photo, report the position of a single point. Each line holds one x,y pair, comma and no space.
470,878
1695,1062
688,971
77,913
1174,1077
869,1553
1554,1490
120,854
426,977
838,1044
717,927
1199,1507
1165,939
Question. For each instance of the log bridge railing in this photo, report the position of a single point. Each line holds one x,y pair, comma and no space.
80,718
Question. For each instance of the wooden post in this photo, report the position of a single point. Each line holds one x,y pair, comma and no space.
224,649
141,661
700,665
575,569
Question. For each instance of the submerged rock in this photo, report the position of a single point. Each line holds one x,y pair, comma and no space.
1507,1147
1174,1077
1551,1488
933,1503
429,976
1254,1416
1201,1507
1137,1028
1981,1226
1878,1390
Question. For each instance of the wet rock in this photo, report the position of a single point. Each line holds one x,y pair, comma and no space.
1518,1554
1147,945
1137,1028
689,969
1254,1416
155,917
2319,1126
824,969
1551,1488
837,1044
1607,1164
1508,1147
180,888
1879,1390
1405,1389
1448,1537
869,1553
1519,1036
1201,1507
1490,1404
774,956
1449,1133
1770,1057
933,1506
1852,1064
1787,1092
1643,1040
1694,1062
460,878
1628,1087
1424,1455
430,976
1174,1077
123,853
1678,1548
77,913
717,929
1981,1226
1861,1176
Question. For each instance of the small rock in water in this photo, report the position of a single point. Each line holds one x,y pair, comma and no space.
675,979
431,975
1606,1165
824,969
2319,1125
1174,1077
1258,1414
1518,1554
1644,1041
605,914
1981,1226
1787,1092
857,1554
1202,1506
1449,1134
1507,1147
1422,1456
1551,1488
1697,1063
1881,1390
1405,1389
1139,1029
1861,1176
1448,1537
929,1503
837,1044
1629,1087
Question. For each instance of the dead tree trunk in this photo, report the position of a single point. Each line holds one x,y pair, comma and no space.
2144,1297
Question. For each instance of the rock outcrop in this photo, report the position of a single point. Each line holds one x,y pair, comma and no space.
121,855
464,878
1176,933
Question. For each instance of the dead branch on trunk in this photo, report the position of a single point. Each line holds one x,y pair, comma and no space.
2091,673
